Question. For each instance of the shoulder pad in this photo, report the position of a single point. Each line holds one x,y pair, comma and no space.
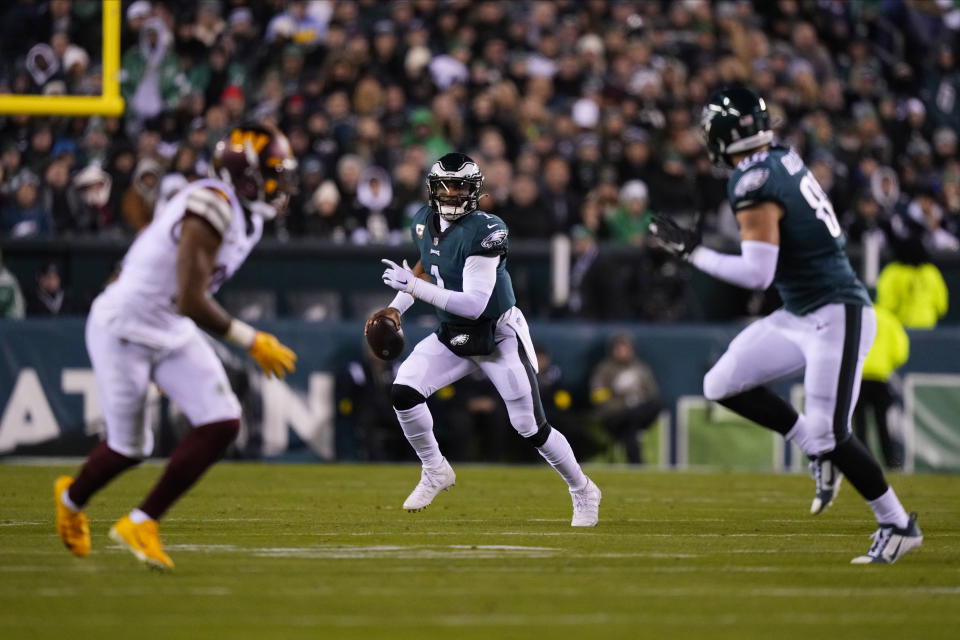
750,180
213,206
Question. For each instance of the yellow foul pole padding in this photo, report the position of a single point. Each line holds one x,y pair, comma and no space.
108,104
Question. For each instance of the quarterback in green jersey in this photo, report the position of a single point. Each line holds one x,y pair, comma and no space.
462,272
790,238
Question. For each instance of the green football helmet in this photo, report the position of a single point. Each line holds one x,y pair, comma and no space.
734,120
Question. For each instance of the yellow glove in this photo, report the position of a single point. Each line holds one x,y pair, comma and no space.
273,357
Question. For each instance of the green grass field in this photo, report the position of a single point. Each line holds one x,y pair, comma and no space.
324,551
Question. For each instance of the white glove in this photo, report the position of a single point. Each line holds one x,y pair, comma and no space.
397,277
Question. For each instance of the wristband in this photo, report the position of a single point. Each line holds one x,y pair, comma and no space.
402,301
240,333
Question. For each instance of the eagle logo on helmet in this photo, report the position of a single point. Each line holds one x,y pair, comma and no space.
258,162
454,184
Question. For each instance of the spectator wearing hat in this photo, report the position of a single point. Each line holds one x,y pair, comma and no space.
944,146
48,297
136,207
915,126
25,215
137,15
234,101
632,218
151,80
92,212
323,216
374,194
209,24
625,395
76,62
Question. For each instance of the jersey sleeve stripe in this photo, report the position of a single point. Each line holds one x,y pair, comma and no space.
211,207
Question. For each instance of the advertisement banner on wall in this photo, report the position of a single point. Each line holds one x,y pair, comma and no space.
49,403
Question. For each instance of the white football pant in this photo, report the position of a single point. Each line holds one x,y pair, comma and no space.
192,376
829,344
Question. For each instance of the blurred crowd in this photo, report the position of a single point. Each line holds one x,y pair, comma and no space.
583,115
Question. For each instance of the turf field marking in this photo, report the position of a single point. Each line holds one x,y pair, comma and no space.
20,523
407,552
200,548
374,551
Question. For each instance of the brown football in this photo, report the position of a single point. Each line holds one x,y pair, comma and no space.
385,339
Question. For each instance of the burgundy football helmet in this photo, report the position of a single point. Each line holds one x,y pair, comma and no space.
257,161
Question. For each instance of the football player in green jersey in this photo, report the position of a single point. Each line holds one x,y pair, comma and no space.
462,271
790,237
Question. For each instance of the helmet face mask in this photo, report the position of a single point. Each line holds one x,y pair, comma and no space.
454,185
734,121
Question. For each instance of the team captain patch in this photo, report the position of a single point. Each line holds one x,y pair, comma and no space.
750,181
495,238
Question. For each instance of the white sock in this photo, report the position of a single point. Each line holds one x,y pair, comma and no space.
556,450
68,503
800,436
417,426
138,517
888,510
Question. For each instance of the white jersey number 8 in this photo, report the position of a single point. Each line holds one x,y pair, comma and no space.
814,195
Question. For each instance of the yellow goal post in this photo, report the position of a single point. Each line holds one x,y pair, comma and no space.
109,103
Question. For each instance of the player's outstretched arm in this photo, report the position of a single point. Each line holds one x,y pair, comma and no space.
479,280
756,265
196,257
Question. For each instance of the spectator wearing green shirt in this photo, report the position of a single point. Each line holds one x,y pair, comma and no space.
631,219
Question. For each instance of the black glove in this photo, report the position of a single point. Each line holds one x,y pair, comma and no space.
674,238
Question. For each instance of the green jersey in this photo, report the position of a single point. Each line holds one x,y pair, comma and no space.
443,256
812,269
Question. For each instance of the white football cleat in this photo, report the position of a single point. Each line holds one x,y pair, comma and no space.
890,542
827,477
432,482
586,505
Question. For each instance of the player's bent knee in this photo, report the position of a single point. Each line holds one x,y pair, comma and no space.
539,438
715,384
404,397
